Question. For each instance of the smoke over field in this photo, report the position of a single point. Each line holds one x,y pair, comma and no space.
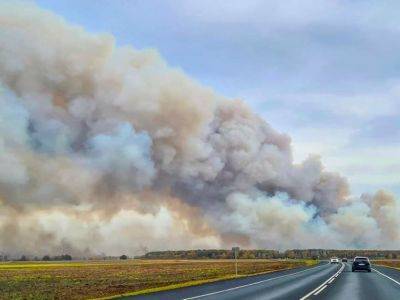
108,149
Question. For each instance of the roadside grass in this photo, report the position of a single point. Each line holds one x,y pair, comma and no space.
395,264
110,279
308,262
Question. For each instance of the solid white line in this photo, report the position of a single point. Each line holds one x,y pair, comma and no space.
250,284
390,278
330,281
324,287
324,283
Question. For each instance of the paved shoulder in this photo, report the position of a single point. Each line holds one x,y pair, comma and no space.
390,273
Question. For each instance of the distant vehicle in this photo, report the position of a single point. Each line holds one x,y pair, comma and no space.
361,263
334,260
344,259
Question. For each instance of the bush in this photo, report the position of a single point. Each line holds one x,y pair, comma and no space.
123,257
66,257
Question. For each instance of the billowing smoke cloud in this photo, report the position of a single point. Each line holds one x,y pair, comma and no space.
107,150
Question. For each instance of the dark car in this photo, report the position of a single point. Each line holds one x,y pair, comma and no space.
344,259
361,263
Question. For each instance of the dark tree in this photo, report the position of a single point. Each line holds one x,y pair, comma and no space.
46,258
66,257
123,257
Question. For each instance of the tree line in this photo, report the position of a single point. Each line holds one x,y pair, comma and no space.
271,254
228,254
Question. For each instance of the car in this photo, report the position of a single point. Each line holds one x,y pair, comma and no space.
334,260
361,263
344,259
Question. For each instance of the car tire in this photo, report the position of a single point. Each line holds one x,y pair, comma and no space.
352,270
369,271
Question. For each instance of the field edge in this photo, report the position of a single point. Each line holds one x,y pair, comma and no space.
308,263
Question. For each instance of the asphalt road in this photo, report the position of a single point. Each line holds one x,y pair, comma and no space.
324,281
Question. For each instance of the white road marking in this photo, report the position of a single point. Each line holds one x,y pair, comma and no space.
324,287
250,284
330,281
390,278
317,290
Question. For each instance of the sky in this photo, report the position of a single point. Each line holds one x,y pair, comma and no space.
324,72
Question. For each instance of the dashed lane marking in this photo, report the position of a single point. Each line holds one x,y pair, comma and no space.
322,286
253,283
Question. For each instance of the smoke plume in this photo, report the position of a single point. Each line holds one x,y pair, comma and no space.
107,149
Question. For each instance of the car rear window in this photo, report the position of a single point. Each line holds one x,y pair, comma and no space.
361,259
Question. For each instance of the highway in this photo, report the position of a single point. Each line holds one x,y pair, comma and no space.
324,281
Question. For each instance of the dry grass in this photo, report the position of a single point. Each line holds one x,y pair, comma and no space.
388,263
94,279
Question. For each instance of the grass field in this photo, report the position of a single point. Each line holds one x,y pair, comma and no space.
388,263
95,279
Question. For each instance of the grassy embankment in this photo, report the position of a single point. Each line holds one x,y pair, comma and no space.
97,279
388,263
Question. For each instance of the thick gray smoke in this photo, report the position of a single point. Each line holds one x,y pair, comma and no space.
107,149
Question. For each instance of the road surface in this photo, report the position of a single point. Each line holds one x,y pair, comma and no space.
324,281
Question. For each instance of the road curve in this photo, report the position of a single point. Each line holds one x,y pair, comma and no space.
324,281
289,284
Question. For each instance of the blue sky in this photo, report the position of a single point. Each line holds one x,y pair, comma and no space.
325,72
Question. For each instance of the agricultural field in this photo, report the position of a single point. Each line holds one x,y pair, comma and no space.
388,263
97,279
